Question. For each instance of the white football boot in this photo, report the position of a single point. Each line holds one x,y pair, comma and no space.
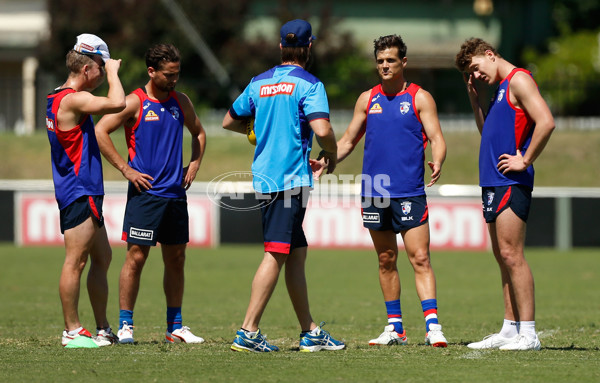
435,336
182,335
389,337
523,343
492,341
125,334
105,337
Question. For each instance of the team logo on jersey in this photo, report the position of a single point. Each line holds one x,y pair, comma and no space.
375,109
490,197
175,112
500,95
404,107
406,207
151,116
285,88
50,124
370,217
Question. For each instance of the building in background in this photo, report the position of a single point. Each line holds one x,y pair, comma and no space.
24,24
432,29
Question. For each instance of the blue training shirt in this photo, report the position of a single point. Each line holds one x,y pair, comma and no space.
282,100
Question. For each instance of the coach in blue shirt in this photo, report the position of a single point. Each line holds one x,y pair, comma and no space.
286,105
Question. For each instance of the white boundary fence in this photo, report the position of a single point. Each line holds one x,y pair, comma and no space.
332,220
213,119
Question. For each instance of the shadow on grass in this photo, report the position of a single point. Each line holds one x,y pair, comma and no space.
553,348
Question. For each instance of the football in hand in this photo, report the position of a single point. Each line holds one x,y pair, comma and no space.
250,131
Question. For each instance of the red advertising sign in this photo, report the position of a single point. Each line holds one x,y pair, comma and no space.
453,224
331,222
38,219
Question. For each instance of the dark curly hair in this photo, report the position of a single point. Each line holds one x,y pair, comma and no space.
162,53
390,41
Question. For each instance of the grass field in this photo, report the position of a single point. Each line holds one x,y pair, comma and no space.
344,292
570,158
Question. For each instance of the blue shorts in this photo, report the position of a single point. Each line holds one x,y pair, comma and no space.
498,198
150,219
79,210
397,214
282,221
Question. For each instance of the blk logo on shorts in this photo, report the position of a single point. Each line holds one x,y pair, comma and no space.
370,217
141,234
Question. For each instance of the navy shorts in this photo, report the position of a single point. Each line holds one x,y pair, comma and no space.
282,221
397,214
79,210
498,198
150,219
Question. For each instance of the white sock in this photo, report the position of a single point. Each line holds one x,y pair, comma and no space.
251,334
509,329
76,331
527,328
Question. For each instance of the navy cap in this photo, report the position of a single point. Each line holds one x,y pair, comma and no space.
301,29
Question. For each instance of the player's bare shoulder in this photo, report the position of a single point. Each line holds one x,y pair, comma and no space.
71,108
131,113
185,103
363,100
184,100
522,85
424,100
72,102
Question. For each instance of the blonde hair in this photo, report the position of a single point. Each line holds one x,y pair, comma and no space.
76,61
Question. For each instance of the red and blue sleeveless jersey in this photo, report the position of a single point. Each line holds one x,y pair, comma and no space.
76,160
506,129
155,144
395,142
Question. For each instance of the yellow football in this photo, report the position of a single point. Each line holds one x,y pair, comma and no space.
250,131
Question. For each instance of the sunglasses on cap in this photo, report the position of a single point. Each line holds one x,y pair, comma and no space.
93,57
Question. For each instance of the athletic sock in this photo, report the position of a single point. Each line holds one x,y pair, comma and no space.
394,314
429,312
125,316
527,329
250,334
510,329
173,318
75,332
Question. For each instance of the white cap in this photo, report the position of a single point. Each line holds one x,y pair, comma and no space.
91,45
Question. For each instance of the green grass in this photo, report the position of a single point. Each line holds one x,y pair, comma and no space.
566,161
344,292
